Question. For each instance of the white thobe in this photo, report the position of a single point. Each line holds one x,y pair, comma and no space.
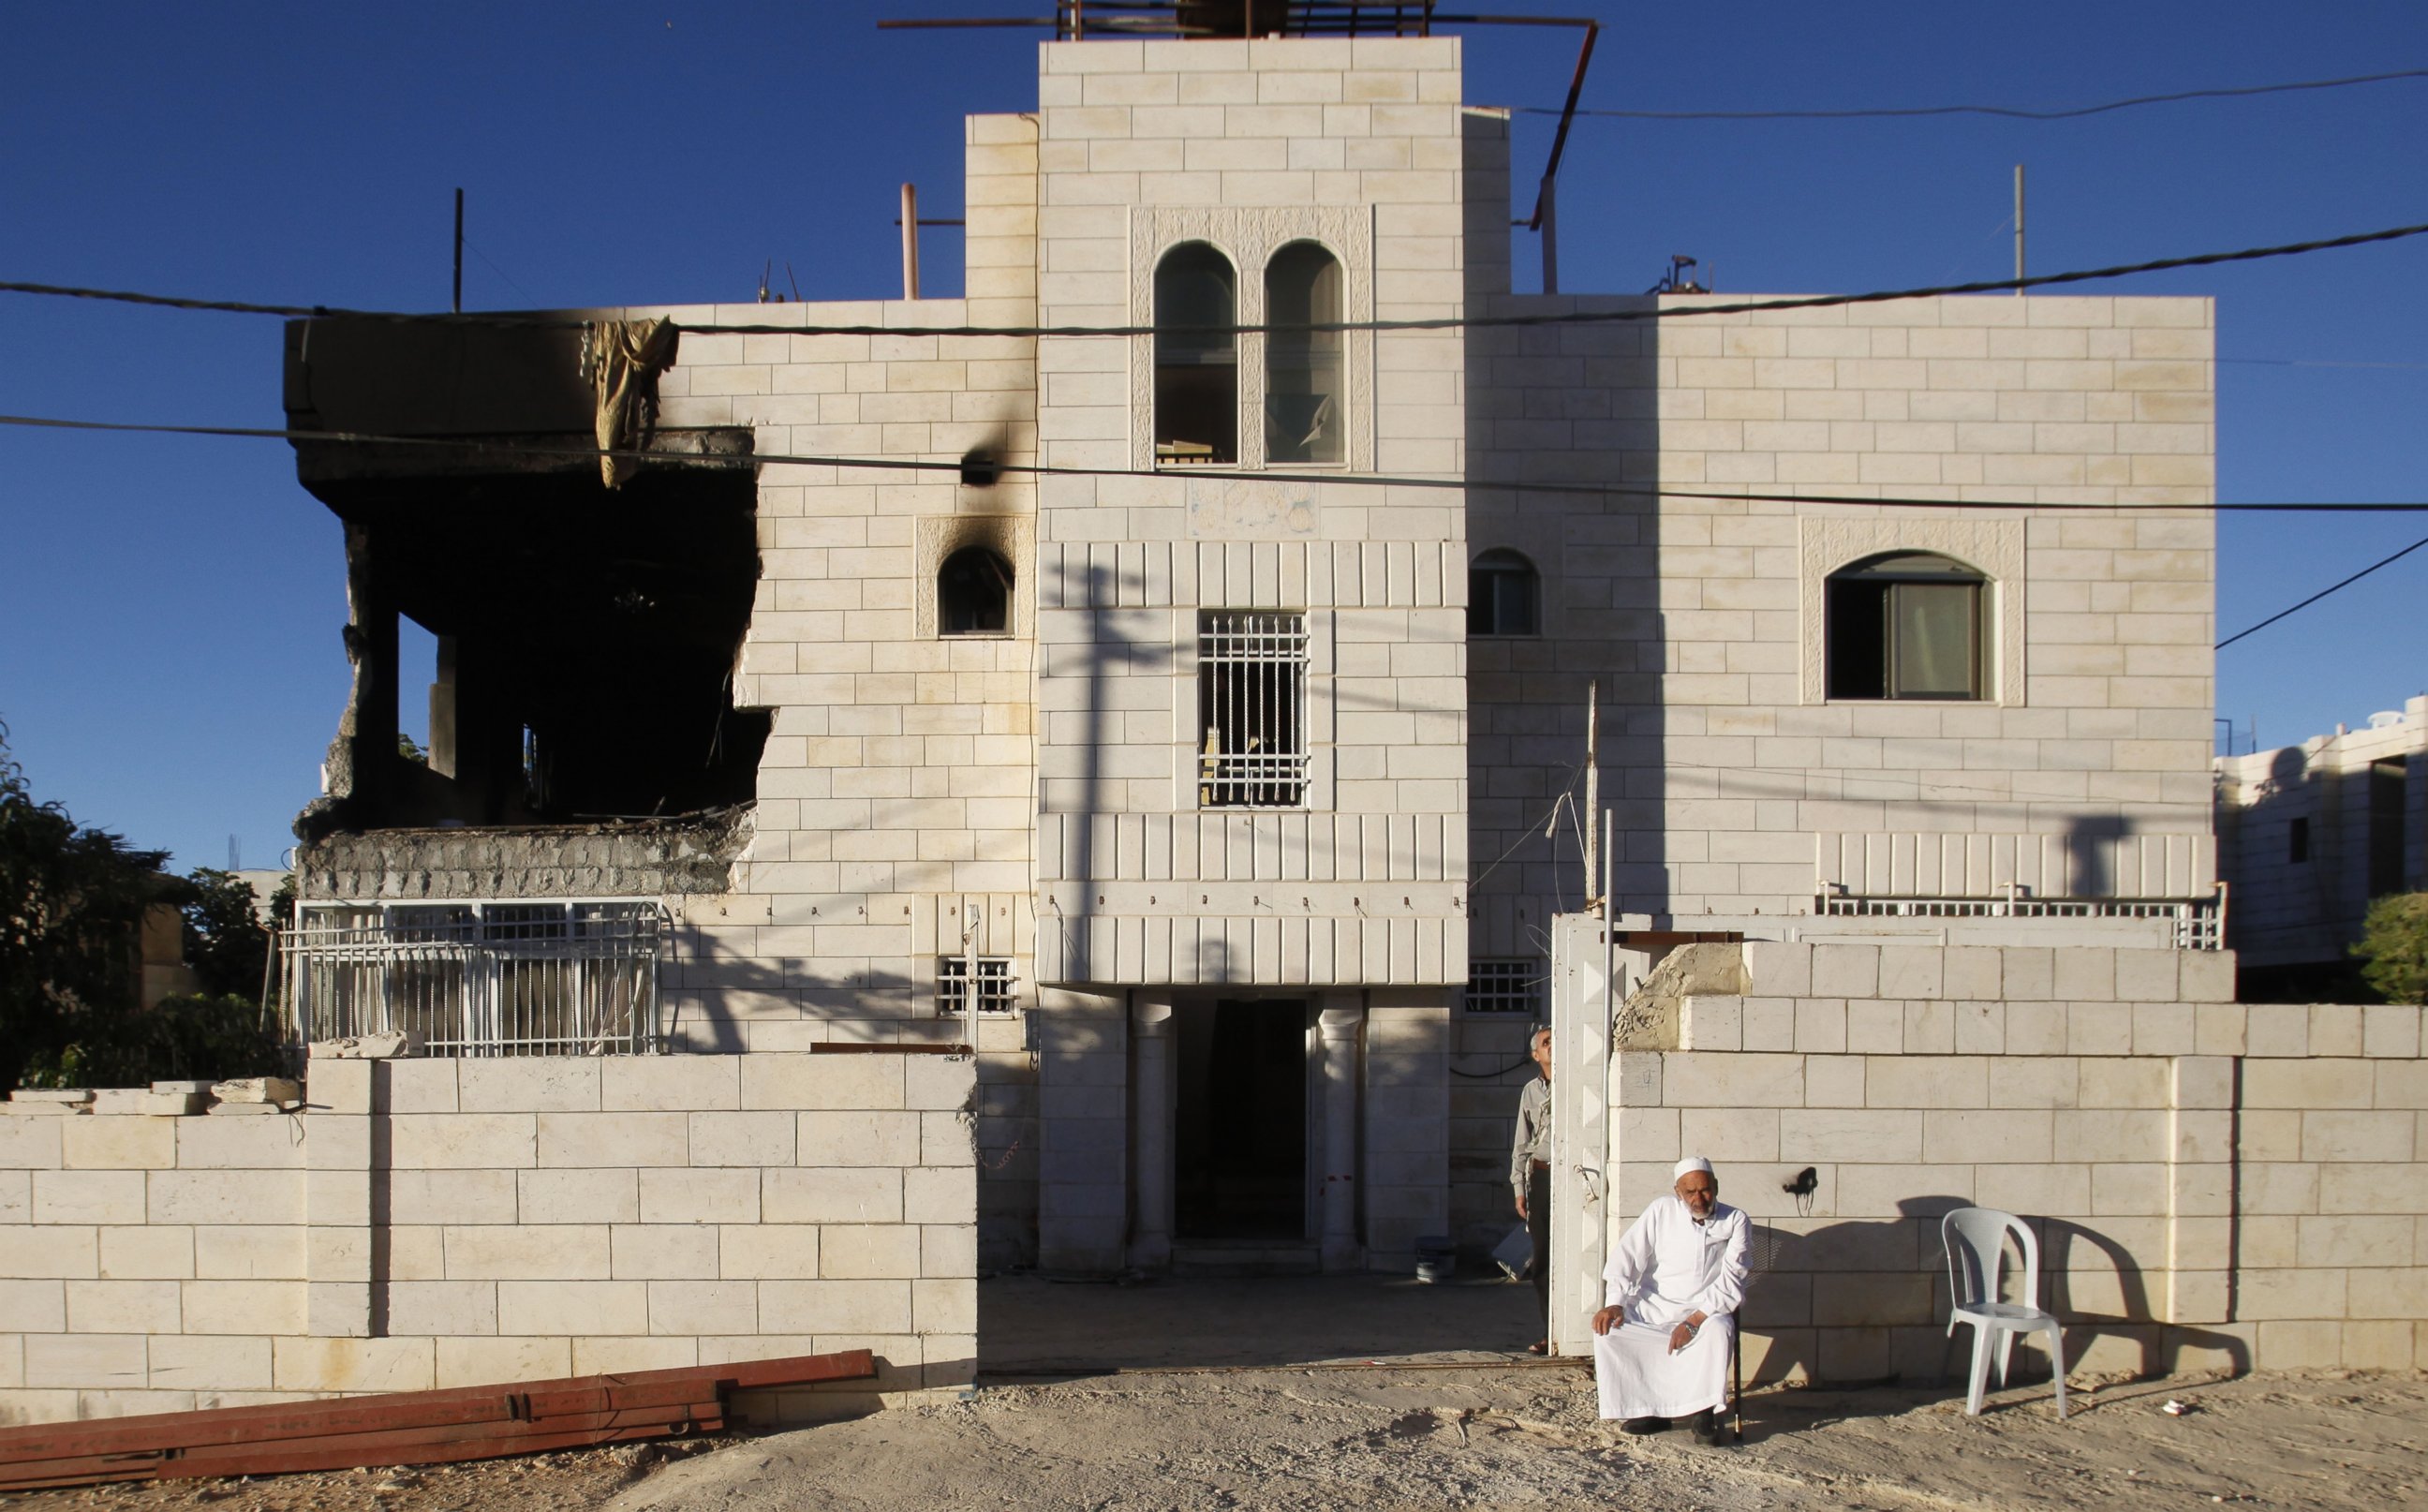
1664,1269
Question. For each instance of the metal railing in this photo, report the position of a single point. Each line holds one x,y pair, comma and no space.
2199,924
479,979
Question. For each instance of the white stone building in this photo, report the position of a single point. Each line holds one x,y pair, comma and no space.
1225,745
2308,834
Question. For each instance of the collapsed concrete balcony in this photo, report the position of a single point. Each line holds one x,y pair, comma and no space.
588,579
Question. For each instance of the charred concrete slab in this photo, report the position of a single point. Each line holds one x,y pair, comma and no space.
691,853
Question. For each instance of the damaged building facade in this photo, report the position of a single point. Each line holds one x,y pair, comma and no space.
1215,762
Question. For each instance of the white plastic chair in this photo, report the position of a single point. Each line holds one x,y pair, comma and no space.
1975,1241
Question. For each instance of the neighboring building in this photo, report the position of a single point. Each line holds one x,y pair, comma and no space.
2307,835
1225,764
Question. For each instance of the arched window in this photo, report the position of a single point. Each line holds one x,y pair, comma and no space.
974,594
1197,372
1303,398
1906,625
1501,595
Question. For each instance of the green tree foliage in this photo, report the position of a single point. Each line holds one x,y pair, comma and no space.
2393,948
71,906
225,942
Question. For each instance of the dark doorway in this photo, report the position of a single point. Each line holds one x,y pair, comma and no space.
1240,1121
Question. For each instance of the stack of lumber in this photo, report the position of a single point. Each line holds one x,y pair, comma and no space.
406,1428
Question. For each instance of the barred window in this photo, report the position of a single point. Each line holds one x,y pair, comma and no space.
994,985
1251,709
1512,986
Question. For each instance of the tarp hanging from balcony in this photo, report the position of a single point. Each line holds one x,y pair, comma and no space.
622,360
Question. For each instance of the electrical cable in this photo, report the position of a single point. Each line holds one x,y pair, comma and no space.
757,459
2010,112
1445,322
2322,593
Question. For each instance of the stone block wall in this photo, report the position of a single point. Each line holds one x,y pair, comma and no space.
2211,1184
427,1223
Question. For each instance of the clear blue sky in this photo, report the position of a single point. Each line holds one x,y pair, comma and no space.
169,662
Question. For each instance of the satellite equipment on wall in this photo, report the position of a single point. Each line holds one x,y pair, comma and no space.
1680,278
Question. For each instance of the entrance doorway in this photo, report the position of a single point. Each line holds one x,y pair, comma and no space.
1240,1119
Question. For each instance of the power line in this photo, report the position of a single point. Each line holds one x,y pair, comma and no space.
1446,322
2010,112
2322,593
755,459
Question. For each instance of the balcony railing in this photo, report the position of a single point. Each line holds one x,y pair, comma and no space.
2199,924
480,978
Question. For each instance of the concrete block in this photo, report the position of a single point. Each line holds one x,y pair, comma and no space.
703,1306
699,1197
2029,973
442,1307
1875,1028
1930,1027
612,1139
1927,1081
387,1045
459,1141
481,1361
1969,972
2204,976
1911,972
2278,1030
1873,1135
2357,1137
243,1307
1740,1080
85,1362
944,1307
736,1138
274,1144
452,1197
337,1142
947,1194
1900,1190
1957,1136
564,1309
2163,1029
2336,1030
112,1144
1778,969
214,1364
1845,971
533,1084
1834,1082
1731,1135
850,1194
2305,1084
617,1355
938,1083
948,1250
1769,1024
661,1251
249,1252
857,1139
527,1252
341,1087
33,1306
2221,1029
769,1252
1712,1024
89,1196
863,1251
710,1083
223,1197
837,1307
2390,1030
576,1196
2039,1029
145,1253
2102,1028
30,1144
1820,1027
821,1082
353,1365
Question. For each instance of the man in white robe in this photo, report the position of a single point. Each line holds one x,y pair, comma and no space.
1672,1287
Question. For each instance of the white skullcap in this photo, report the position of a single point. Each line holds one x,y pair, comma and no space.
1692,1163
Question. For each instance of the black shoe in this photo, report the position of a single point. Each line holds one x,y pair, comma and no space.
1710,1427
1644,1425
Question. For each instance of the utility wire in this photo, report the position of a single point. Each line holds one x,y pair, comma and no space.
483,449
2321,594
1446,322
754,460
2011,112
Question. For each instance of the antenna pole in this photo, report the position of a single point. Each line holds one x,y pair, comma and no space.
459,252
1593,789
910,241
2019,227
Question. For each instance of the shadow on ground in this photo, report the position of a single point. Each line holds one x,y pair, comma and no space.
1029,1326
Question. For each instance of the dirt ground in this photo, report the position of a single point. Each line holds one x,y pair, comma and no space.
1207,1394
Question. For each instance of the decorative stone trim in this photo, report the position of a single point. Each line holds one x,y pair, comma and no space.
1249,237
1013,537
1993,547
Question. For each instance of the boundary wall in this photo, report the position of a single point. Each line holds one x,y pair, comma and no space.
437,1222
2213,1185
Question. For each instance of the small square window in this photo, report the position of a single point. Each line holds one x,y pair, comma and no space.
994,985
1511,987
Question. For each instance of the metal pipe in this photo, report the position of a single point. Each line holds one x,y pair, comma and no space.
1568,118
459,252
2019,227
910,241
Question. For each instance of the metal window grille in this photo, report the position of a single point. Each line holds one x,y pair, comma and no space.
952,978
1251,709
1511,986
2199,924
480,978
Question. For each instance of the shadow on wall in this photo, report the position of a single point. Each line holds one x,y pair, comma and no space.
1867,1304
